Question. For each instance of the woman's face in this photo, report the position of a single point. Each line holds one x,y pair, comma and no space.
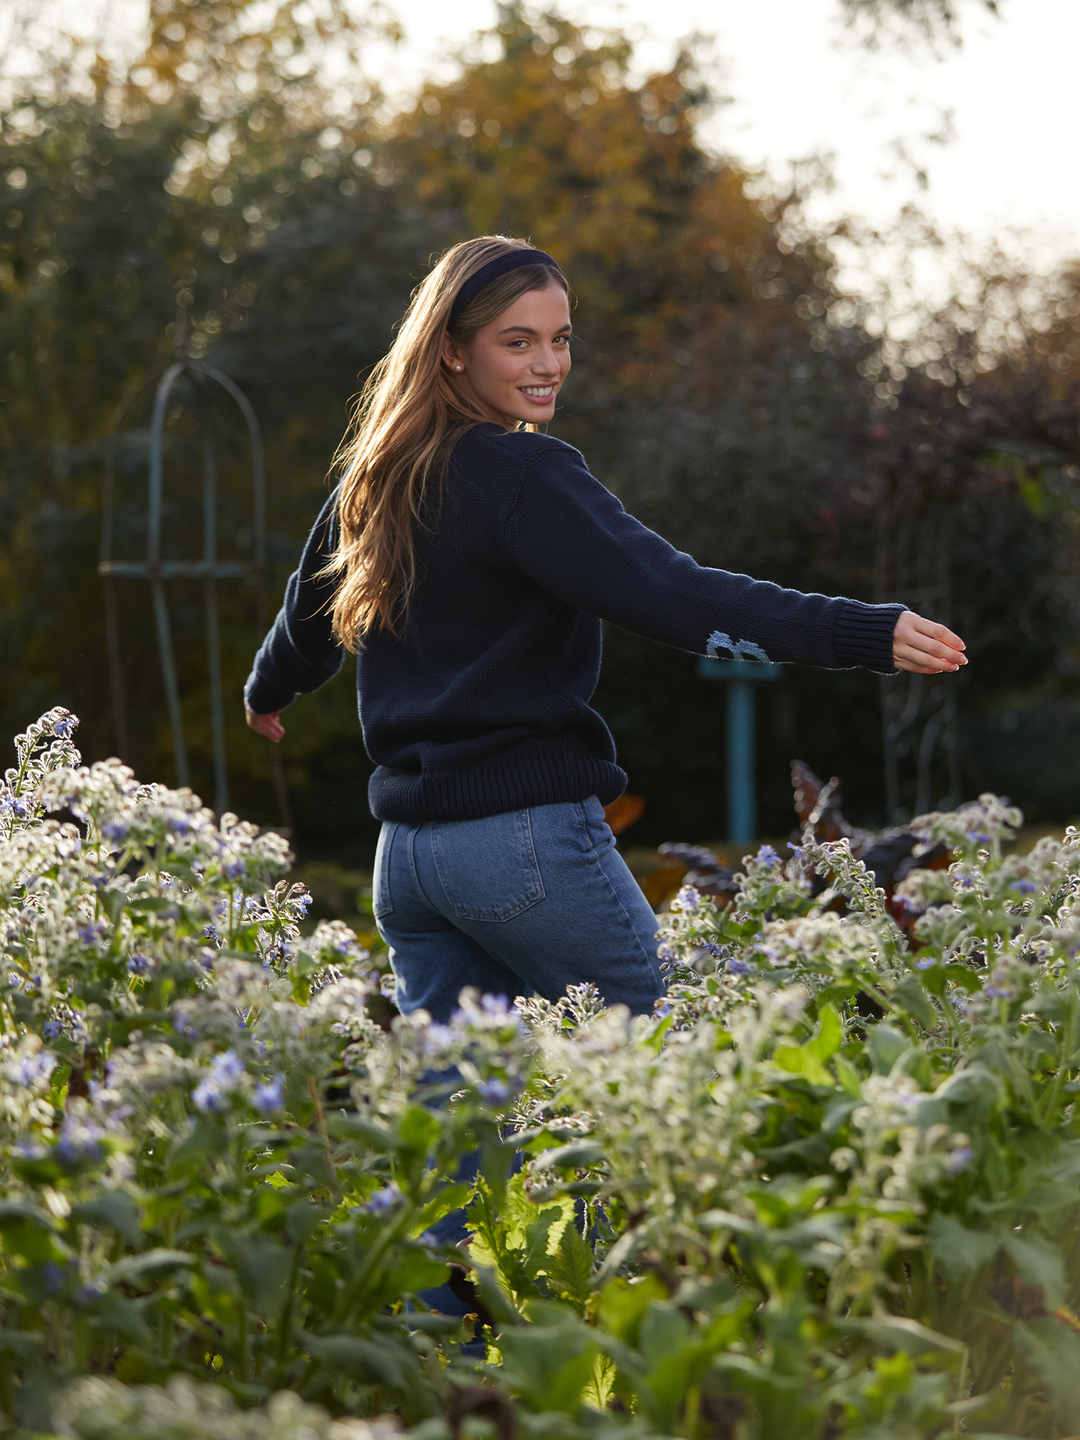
513,367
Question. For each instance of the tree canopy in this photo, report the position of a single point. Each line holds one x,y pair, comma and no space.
226,200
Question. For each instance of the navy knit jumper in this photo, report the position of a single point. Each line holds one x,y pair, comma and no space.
482,705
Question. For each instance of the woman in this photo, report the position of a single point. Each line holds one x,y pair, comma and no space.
469,561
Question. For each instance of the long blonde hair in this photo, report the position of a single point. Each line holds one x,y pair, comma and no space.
406,421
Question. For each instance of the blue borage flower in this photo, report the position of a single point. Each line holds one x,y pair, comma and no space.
10,804
495,1091
687,900
486,1011
957,1162
33,1070
54,1276
906,905
438,1038
269,1096
79,1140
225,1077
383,1201
497,1005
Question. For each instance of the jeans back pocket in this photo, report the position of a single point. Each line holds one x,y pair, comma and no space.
488,868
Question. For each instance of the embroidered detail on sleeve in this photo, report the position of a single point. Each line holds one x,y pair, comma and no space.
737,649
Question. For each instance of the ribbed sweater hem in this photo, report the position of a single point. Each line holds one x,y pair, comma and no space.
864,636
540,777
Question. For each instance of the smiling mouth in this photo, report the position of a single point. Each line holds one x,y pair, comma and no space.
537,392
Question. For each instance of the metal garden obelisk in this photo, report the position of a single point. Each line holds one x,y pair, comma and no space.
209,568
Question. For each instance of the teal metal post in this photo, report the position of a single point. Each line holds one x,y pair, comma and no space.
741,761
741,677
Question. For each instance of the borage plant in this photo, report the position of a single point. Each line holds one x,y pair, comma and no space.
833,1183
215,1163
829,1189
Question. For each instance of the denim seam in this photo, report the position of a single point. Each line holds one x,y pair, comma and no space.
654,964
414,835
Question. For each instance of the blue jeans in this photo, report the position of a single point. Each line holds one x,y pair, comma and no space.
526,902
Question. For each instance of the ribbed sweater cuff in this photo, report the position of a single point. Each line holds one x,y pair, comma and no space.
864,635
263,698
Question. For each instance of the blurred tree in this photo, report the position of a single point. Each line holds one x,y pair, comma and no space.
899,21
160,211
224,198
975,487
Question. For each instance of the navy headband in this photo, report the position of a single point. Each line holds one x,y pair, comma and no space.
501,265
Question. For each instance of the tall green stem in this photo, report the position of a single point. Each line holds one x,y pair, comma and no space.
1052,1099
285,1323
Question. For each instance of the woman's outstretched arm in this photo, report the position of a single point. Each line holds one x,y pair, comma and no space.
573,537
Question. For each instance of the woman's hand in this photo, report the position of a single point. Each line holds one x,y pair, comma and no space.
268,725
924,647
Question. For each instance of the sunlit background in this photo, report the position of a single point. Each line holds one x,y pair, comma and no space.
975,133
826,260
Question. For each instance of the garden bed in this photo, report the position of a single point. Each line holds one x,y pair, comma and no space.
829,1189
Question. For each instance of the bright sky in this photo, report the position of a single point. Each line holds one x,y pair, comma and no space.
798,87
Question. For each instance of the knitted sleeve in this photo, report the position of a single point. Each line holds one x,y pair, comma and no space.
299,653
572,537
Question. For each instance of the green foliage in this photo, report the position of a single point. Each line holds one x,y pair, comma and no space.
214,1162
828,1189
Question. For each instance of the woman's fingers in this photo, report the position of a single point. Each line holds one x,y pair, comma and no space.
932,631
925,647
268,725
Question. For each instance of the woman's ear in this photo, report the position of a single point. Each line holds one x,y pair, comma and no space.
453,357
